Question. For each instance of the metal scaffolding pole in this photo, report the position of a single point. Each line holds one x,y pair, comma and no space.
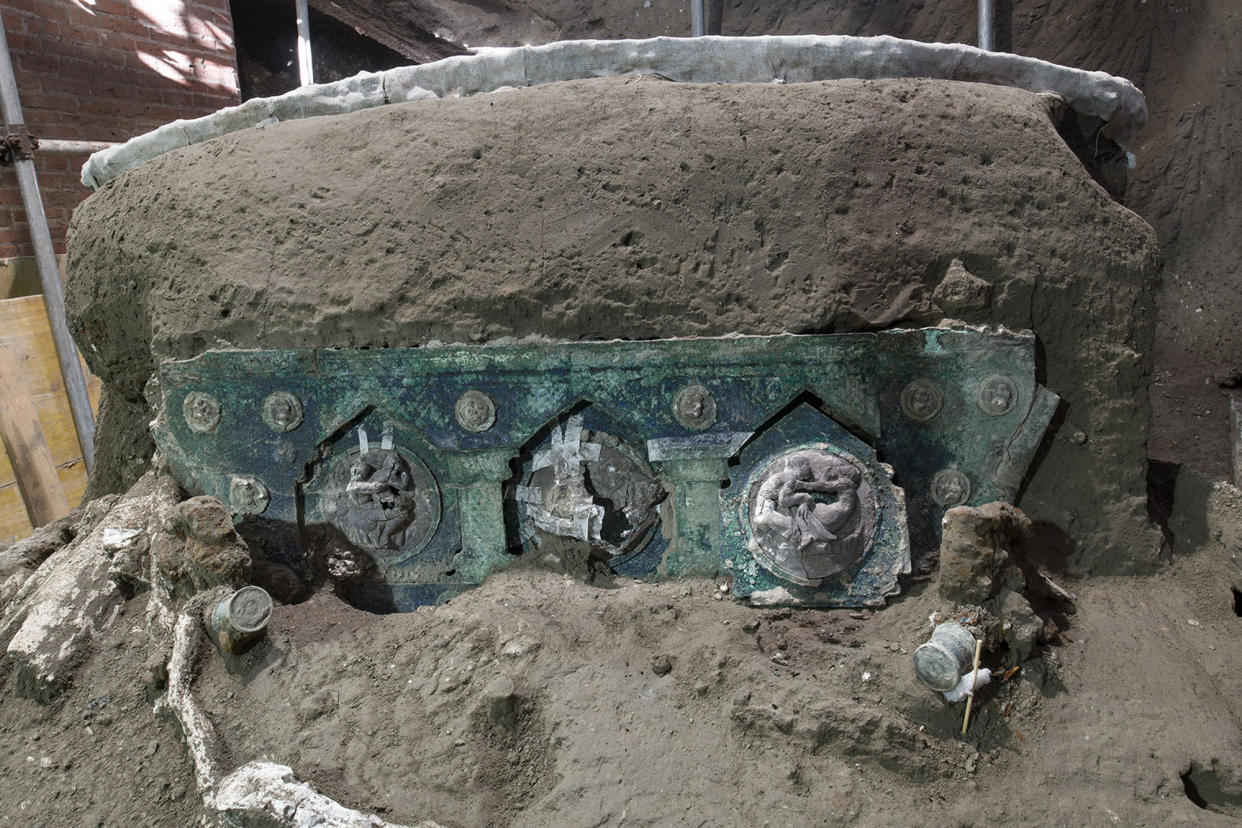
698,18
306,72
985,25
45,258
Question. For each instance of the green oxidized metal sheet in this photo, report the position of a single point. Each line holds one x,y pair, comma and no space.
436,465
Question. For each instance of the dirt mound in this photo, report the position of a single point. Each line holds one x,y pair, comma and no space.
637,208
539,700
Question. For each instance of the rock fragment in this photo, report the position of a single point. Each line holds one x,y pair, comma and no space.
201,549
54,617
976,551
960,291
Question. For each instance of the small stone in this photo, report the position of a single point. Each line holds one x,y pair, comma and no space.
716,596
701,688
661,665
751,626
519,646
780,659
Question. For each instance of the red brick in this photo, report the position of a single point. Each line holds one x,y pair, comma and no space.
120,8
39,63
35,25
119,41
55,163
84,35
54,101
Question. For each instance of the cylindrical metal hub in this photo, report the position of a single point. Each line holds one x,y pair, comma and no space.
241,618
941,661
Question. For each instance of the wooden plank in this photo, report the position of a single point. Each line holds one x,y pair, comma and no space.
24,324
23,439
73,481
14,524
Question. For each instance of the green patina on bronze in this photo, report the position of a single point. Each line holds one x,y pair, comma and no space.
477,421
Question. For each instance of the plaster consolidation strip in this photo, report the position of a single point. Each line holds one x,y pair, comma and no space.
776,59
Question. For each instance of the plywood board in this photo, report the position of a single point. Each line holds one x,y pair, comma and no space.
27,448
24,325
13,521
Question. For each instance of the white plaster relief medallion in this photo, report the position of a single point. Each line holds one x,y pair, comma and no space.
812,515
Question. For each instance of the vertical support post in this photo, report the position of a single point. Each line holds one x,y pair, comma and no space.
306,72
479,478
45,257
985,25
1235,435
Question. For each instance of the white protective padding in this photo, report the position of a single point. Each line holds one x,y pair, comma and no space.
264,793
785,59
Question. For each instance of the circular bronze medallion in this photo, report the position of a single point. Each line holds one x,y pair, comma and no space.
921,400
950,488
695,407
201,411
384,501
247,495
475,411
997,395
282,411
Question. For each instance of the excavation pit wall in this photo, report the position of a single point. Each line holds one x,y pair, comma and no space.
639,208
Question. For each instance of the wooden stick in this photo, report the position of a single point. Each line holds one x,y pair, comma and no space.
26,446
974,675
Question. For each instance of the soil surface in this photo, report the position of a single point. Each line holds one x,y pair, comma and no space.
638,208
540,700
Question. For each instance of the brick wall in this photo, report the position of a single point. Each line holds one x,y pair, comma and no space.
107,70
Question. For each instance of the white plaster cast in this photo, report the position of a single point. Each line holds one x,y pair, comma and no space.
776,59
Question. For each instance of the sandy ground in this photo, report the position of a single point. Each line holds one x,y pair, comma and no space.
533,701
